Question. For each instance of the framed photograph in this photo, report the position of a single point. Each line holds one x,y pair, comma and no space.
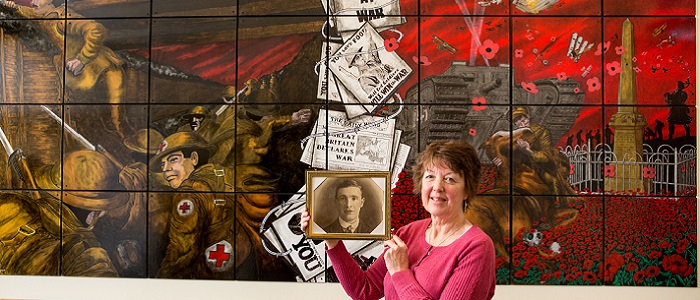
348,205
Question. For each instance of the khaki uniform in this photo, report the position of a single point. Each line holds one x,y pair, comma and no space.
122,231
549,163
212,234
84,40
33,241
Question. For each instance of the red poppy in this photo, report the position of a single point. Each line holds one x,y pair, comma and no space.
590,277
652,271
500,261
571,169
488,49
682,245
561,76
518,53
610,171
530,87
631,267
391,44
593,84
620,50
639,276
479,103
423,60
577,90
472,131
613,68
676,264
611,266
520,274
648,172
602,48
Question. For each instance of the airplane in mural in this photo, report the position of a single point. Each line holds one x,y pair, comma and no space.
191,165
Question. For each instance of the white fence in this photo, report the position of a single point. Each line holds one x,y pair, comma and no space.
665,171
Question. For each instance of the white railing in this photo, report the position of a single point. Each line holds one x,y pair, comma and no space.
665,170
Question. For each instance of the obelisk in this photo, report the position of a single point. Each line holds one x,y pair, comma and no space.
627,123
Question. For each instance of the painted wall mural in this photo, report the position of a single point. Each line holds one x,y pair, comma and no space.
170,139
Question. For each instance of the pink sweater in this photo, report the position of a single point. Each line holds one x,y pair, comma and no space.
464,269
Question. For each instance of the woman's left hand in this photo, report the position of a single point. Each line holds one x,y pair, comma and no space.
396,256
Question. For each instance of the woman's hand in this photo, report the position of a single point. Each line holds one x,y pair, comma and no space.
396,256
305,218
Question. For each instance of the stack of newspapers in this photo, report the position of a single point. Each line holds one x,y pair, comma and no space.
356,69
366,143
308,257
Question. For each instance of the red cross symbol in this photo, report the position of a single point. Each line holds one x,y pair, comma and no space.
162,146
184,207
219,255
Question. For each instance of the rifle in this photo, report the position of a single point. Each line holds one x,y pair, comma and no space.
18,162
81,139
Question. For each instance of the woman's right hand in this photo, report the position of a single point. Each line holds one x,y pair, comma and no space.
305,218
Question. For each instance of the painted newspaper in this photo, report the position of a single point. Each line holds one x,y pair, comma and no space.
367,70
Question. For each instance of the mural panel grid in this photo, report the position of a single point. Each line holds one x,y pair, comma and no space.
170,139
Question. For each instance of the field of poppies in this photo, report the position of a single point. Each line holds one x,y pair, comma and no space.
622,240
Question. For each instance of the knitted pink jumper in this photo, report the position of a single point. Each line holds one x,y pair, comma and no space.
464,269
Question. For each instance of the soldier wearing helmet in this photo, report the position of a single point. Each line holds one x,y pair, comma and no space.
534,150
65,230
109,201
198,120
678,114
203,232
43,237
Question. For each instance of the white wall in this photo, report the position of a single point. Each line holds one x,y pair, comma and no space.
33,287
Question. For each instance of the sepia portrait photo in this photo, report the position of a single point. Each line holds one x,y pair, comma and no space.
348,204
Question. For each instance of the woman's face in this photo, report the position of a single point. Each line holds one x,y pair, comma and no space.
442,190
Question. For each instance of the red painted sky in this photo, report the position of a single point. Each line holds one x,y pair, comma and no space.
262,56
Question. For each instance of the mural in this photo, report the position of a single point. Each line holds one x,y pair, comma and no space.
170,140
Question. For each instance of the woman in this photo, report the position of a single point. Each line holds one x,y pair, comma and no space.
442,257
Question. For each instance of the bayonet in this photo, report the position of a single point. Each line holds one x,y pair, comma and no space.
228,103
18,162
81,139
6,143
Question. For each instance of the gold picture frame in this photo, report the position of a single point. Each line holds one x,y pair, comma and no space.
362,210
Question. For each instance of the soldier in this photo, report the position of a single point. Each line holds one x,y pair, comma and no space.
143,143
106,200
199,120
251,128
43,237
203,231
659,128
39,235
678,114
88,62
537,152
